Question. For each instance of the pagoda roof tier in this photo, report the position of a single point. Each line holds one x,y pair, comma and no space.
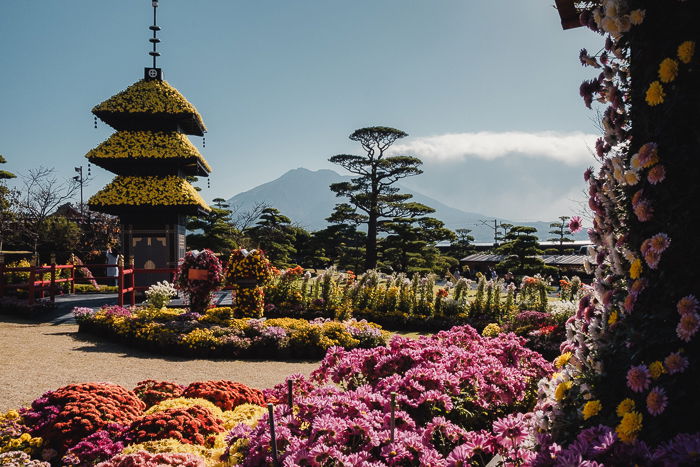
132,193
149,152
151,105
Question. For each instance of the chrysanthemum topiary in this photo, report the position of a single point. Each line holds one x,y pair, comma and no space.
66,416
152,392
226,395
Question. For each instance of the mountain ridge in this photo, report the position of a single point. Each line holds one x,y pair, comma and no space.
304,196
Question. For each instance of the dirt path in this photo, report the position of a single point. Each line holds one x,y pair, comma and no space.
35,358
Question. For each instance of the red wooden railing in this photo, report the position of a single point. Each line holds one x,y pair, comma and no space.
39,288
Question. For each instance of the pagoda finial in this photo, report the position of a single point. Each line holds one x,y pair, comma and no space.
154,72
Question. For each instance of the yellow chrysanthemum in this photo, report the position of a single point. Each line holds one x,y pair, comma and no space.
686,51
146,145
150,97
631,177
636,269
149,191
243,413
612,319
591,409
624,407
562,359
491,330
655,94
668,70
561,390
637,17
656,369
629,427
183,403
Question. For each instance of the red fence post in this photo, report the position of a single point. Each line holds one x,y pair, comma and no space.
52,291
120,280
30,288
133,280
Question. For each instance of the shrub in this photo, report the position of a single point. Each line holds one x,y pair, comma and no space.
66,416
189,425
151,392
224,394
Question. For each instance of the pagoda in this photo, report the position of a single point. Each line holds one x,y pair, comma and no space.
152,157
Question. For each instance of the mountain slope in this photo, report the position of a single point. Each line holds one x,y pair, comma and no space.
303,196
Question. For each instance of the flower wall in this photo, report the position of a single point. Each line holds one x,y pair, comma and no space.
631,360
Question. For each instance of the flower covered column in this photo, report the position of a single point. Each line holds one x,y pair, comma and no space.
248,272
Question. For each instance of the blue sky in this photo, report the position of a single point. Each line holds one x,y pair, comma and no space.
487,90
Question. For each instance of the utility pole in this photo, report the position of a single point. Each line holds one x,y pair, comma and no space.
495,229
81,180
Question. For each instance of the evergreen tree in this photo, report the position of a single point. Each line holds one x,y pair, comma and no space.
214,230
462,245
560,233
372,193
274,234
410,245
521,248
341,242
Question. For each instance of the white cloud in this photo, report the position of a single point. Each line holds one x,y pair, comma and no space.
572,148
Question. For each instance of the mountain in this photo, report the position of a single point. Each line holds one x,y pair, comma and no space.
303,196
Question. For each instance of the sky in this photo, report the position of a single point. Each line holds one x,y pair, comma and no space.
487,90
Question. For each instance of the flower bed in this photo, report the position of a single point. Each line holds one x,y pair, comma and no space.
450,390
85,424
214,334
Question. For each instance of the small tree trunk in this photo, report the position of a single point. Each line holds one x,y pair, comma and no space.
371,245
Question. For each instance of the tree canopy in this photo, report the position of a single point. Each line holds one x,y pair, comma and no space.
372,194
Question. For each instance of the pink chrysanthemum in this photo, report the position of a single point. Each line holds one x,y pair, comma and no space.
687,304
644,211
675,363
652,259
657,401
657,174
510,431
688,326
575,224
659,242
629,302
638,286
648,155
638,378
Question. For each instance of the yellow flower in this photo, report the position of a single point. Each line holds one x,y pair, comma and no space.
655,94
637,17
624,407
591,408
612,319
153,97
629,427
631,177
561,390
636,269
491,330
686,51
656,369
562,359
147,145
668,70
148,191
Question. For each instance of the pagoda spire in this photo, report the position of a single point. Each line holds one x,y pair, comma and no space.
155,28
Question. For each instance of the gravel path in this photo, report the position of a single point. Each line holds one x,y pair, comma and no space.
35,358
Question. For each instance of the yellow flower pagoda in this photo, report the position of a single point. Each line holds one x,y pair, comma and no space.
152,157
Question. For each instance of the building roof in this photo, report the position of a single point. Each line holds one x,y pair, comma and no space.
148,191
126,150
150,105
552,260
